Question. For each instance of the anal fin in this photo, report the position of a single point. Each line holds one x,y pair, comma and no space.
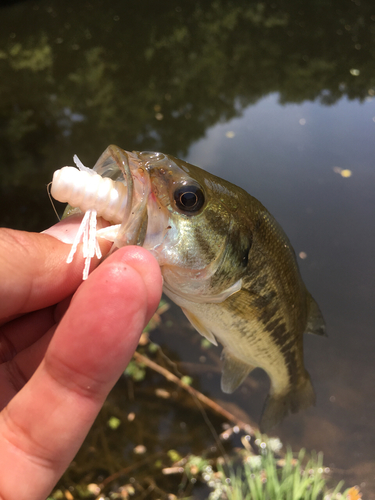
234,371
198,325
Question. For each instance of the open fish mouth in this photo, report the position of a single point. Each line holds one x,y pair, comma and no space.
118,188
130,170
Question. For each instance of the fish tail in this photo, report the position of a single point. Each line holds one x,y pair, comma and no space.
277,406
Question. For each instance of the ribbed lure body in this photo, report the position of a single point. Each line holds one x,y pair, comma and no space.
87,190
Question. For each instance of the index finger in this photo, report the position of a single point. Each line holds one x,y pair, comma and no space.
33,270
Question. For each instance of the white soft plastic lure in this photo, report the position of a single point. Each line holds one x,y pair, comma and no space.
85,189
96,194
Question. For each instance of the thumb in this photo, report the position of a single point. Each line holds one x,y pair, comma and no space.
44,425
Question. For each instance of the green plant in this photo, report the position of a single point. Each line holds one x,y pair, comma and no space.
264,476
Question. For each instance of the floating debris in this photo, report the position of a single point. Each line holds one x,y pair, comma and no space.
93,488
344,172
162,393
114,423
140,449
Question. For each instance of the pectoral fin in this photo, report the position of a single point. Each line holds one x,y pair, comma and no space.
234,372
199,326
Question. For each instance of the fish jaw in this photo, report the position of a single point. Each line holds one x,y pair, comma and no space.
146,222
130,170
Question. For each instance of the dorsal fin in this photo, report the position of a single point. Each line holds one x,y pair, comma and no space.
315,321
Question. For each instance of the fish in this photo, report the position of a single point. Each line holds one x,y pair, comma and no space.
225,261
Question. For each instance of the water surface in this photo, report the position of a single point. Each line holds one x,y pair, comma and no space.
291,158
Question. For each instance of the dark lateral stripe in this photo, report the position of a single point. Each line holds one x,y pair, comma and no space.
288,349
264,300
277,329
268,313
256,283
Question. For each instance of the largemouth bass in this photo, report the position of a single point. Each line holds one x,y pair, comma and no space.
225,261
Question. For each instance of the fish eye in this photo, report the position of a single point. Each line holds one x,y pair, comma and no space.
189,198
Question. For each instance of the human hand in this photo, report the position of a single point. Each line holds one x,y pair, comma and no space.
60,357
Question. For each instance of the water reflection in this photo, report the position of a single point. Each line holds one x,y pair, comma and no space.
270,96
156,79
298,177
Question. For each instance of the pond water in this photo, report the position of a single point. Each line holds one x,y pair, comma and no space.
293,159
278,98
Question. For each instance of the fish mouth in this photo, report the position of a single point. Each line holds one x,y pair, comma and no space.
147,220
131,170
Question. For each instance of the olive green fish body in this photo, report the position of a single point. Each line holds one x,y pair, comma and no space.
234,273
262,324
229,265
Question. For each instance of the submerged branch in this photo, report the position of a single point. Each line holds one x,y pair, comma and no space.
127,470
196,394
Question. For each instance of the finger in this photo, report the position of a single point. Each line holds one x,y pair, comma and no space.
33,270
22,332
88,352
16,372
139,260
127,290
